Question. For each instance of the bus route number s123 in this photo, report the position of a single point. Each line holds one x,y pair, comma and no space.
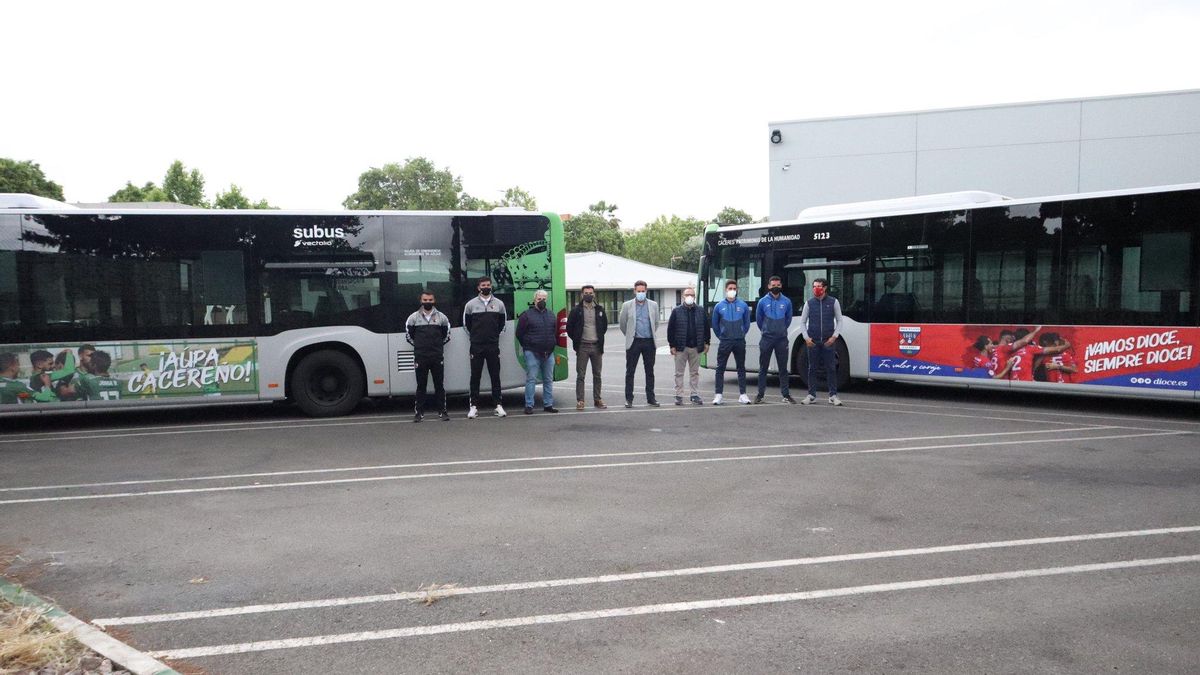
820,235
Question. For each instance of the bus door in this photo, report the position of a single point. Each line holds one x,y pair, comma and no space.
844,268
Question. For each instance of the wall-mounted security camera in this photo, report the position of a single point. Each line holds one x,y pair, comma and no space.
776,137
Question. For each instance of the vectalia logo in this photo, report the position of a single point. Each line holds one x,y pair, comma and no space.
316,236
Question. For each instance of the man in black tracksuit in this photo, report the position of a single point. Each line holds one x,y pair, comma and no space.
428,331
485,317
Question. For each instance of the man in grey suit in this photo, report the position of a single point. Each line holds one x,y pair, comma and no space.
639,323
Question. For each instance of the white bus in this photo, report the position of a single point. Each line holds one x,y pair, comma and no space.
204,306
1088,293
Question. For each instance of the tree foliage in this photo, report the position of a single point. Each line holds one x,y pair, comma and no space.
732,216
597,229
183,186
416,185
663,242
470,203
132,193
516,197
234,199
27,177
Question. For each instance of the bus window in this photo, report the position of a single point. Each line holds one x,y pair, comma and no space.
919,264
1014,261
743,264
514,252
423,255
1130,260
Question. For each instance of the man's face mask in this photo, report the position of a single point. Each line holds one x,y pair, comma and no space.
485,290
731,293
588,297
641,296
427,305
689,299
819,291
776,290
541,304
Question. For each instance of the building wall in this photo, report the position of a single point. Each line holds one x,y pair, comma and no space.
1021,150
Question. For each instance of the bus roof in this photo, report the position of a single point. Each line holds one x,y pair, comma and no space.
16,202
941,202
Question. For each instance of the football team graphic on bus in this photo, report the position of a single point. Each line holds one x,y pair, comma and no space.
123,370
1158,358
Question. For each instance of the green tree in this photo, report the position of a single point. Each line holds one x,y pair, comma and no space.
183,186
418,185
515,196
732,216
27,177
662,241
597,229
234,199
132,193
469,203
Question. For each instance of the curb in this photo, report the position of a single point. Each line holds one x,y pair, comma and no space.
93,638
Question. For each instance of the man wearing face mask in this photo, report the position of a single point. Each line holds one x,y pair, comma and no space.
639,323
537,331
773,314
688,335
428,331
485,317
821,323
730,322
586,326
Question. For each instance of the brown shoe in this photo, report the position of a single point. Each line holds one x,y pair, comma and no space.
579,405
599,403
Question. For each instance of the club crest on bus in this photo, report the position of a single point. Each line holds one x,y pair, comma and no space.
910,339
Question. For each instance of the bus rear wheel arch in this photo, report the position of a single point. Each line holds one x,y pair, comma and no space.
326,382
800,362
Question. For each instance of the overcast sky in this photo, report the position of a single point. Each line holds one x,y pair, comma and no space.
659,107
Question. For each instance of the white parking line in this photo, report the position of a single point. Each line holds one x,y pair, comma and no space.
633,576
542,458
664,608
1029,411
574,467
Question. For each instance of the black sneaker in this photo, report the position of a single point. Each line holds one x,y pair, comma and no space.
789,399
678,400
528,411
418,417
444,415
628,403
653,404
550,409
758,399
697,400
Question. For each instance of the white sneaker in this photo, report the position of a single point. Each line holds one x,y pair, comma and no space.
500,411
808,400
834,400
718,400
472,413
743,399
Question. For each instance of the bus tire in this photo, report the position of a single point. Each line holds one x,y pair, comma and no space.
800,363
327,383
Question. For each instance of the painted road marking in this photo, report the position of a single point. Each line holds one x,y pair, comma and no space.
575,467
383,467
634,576
664,608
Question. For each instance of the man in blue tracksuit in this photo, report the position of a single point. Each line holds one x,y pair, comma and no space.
773,314
821,323
730,321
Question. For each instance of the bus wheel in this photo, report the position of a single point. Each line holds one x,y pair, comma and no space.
800,364
843,368
327,383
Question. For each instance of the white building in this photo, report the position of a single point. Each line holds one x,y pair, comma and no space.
614,276
1017,150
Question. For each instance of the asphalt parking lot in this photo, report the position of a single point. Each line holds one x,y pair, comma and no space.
912,529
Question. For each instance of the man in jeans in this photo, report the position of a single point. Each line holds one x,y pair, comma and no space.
639,322
428,331
688,335
537,331
730,322
821,323
586,326
773,313
485,317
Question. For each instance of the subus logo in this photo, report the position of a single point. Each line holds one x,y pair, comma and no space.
316,236
910,339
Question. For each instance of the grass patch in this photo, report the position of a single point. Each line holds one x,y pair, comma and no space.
29,643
